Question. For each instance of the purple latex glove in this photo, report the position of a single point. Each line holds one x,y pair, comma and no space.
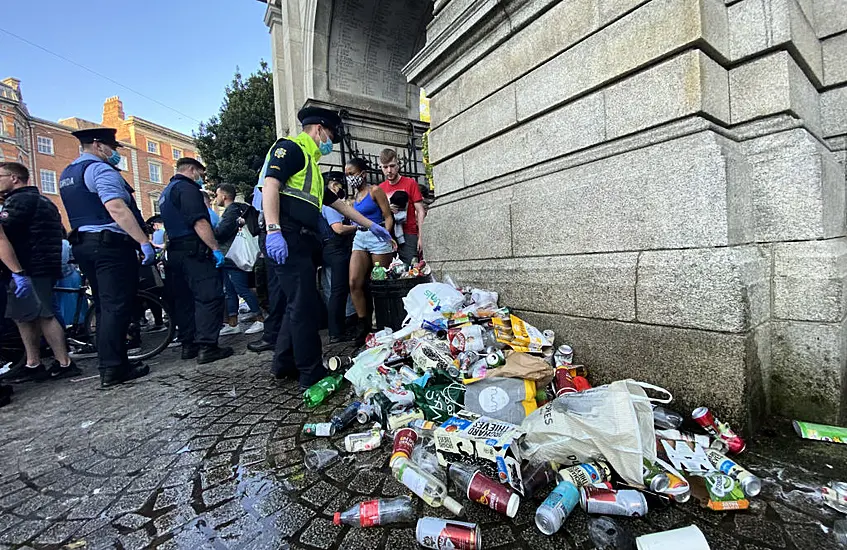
277,247
23,285
380,232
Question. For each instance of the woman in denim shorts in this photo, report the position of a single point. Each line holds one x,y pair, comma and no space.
370,201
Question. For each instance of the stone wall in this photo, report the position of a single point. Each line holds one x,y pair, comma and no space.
661,182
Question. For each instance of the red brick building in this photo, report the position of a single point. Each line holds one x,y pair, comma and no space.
46,148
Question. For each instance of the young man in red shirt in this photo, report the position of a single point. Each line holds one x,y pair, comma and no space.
415,212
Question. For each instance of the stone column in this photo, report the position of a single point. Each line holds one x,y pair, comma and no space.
657,181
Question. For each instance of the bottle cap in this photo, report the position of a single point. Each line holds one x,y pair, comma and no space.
336,519
455,507
512,506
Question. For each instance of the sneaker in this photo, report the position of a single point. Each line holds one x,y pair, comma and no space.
86,351
209,354
57,371
175,344
243,308
229,329
256,327
247,317
37,373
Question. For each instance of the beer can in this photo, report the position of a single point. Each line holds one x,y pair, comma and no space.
364,441
586,474
550,516
495,358
719,430
444,534
750,484
339,363
364,414
323,429
407,374
563,356
654,477
564,382
396,421
601,500
404,444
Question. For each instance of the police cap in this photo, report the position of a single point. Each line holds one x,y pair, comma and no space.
326,118
334,175
103,135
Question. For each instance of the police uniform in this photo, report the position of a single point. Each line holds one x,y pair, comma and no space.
106,254
193,281
293,161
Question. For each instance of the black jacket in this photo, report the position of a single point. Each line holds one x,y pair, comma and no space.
34,227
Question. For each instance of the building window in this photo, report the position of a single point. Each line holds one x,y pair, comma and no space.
155,172
177,153
45,145
48,181
153,147
154,202
3,126
122,164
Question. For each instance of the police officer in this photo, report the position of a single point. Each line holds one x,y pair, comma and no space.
292,195
106,234
191,271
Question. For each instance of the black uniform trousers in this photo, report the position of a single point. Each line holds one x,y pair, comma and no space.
196,289
298,346
276,300
110,263
336,257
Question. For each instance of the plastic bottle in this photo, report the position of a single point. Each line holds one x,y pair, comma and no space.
318,393
666,419
377,512
423,484
424,456
378,273
479,488
347,416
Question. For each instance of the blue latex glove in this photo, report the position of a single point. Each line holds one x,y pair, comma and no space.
277,247
380,232
219,258
149,254
23,285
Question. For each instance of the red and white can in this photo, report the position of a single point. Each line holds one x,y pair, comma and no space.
442,534
719,430
564,382
596,499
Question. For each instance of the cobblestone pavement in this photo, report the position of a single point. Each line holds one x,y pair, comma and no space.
211,457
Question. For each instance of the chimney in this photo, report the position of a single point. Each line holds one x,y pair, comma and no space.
113,112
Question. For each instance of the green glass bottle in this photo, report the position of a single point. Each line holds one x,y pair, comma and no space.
318,393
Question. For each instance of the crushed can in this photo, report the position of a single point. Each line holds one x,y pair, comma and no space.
719,430
444,534
602,500
563,356
363,441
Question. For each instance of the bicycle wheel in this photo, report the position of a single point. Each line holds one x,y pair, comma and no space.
147,336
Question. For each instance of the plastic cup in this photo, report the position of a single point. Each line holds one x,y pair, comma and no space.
318,459
690,538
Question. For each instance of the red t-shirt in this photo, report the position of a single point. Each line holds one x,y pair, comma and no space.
410,186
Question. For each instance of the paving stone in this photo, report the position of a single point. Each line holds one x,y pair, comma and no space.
320,533
292,519
362,539
497,536
130,521
23,532
319,494
59,532
135,541
174,519
174,496
365,482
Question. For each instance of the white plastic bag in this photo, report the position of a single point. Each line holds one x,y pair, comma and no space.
363,374
244,250
430,301
612,422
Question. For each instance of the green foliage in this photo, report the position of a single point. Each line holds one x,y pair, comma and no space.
237,139
427,166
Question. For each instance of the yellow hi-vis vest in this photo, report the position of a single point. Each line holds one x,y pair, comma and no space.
308,183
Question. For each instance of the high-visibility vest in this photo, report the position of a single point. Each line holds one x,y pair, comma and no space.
308,183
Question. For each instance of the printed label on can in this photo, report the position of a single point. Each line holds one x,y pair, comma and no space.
489,493
601,500
414,481
564,497
369,513
582,474
404,442
447,535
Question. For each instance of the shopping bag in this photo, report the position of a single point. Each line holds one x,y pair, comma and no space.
430,301
244,250
612,423
440,398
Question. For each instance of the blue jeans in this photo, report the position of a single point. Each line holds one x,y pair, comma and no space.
235,285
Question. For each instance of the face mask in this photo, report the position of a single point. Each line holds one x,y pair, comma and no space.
355,181
325,147
114,159
199,181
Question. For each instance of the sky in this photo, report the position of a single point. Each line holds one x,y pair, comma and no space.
170,60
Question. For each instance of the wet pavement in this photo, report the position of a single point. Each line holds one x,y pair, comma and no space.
211,457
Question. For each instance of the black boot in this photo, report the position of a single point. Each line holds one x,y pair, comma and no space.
260,345
118,375
189,351
212,353
363,329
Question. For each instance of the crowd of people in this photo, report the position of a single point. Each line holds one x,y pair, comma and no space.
302,219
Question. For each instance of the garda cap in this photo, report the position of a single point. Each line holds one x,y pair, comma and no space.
326,118
103,135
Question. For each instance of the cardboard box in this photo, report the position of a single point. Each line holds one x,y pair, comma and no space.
481,440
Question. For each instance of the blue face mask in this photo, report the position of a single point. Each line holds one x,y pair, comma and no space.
114,159
325,147
199,181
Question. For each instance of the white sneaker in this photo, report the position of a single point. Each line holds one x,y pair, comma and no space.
230,330
247,317
258,326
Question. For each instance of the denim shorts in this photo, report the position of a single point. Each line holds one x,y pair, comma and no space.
367,241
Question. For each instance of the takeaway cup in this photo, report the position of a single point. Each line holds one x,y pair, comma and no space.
689,538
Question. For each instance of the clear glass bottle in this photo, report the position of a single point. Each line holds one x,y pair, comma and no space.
425,485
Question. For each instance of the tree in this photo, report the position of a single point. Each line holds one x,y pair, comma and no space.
234,143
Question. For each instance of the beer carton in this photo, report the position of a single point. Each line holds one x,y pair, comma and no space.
481,440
